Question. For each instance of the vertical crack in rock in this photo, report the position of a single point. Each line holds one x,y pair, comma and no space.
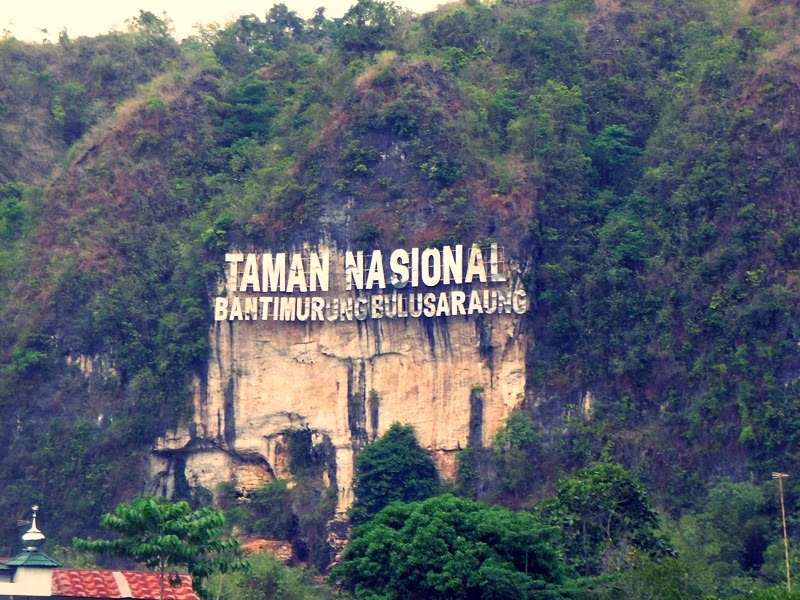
205,418
374,404
356,403
443,326
376,334
329,456
197,423
225,433
230,416
475,433
483,329
431,334
181,483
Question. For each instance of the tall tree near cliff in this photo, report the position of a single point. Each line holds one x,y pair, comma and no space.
161,534
603,512
515,451
393,467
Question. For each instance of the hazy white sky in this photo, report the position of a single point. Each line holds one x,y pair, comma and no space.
26,19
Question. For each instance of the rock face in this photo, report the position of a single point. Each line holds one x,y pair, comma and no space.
454,377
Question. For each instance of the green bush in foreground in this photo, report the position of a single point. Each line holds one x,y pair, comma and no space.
448,547
266,579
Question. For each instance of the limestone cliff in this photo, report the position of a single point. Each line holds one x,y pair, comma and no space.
454,377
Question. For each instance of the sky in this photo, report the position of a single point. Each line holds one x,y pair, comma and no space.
25,19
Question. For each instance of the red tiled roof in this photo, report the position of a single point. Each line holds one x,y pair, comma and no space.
137,585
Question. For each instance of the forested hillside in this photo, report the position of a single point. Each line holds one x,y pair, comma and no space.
642,156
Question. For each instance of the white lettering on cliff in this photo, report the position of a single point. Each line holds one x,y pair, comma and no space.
273,287
274,272
398,263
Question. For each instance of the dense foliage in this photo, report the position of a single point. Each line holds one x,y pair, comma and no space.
393,468
267,579
603,515
448,547
609,540
160,535
639,157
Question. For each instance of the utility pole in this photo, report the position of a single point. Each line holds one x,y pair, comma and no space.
780,477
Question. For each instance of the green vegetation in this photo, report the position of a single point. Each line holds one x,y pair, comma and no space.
159,534
640,159
393,468
597,536
267,579
448,547
604,515
297,509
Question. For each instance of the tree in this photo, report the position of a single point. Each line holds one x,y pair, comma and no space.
243,45
648,579
283,25
147,24
515,449
614,157
267,579
160,534
449,547
270,511
602,512
393,467
731,534
368,26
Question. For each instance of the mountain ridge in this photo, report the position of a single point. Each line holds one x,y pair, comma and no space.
636,158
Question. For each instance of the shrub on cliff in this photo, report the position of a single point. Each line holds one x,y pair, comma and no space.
393,467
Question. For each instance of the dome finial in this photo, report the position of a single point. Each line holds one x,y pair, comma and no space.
33,538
